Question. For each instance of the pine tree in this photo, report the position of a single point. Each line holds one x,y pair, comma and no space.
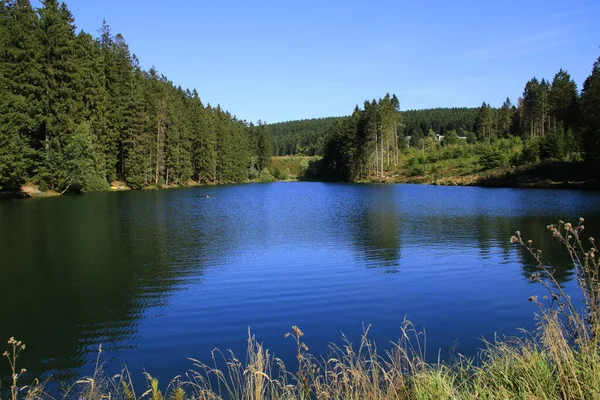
532,108
59,94
20,91
485,123
138,146
263,146
505,118
590,112
207,170
91,95
564,102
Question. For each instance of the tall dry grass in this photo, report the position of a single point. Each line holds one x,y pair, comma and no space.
561,360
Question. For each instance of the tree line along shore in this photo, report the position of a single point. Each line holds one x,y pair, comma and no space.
79,114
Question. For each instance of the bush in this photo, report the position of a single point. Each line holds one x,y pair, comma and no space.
253,172
416,170
531,151
281,174
266,177
494,157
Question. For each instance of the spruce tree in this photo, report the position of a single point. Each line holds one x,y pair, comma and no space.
59,95
590,112
20,91
505,118
564,102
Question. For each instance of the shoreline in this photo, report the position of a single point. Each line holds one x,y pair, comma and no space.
488,182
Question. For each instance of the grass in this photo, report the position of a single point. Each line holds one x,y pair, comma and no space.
561,360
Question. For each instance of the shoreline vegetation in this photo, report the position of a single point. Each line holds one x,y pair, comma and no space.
549,174
561,360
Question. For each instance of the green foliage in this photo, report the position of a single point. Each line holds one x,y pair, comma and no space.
364,143
451,138
554,145
485,123
471,137
303,137
494,157
14,161
281,174
416,169
531,151
266,177
76,166
440,120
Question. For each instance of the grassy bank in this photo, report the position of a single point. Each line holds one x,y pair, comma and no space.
504,163
561,360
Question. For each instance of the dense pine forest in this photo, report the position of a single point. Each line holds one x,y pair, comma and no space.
303,137
77,112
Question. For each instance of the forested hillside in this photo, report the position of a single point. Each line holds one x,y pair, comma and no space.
77,112
302,137
307,137
551,121
440,120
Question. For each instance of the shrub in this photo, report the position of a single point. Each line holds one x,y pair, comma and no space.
531,151
494,157
266,177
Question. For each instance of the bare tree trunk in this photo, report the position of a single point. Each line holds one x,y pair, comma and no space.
376,158
381,138
160,131
387,151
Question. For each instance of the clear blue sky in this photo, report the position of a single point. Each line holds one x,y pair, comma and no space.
294,59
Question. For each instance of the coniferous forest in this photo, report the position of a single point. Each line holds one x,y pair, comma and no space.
78,112
552,120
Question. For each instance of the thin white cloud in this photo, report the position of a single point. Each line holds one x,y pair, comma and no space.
530,44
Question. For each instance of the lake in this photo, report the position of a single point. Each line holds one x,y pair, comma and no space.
159,276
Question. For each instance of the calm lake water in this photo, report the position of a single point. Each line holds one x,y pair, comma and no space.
158,276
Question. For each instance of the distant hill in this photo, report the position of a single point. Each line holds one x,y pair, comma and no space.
440,120
307,136
304,136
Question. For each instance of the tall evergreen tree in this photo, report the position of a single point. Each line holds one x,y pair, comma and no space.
263,146
590,112
485,123
20,91
505,118
532,108
59,95
564,101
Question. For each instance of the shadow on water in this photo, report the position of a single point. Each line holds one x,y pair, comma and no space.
82,271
